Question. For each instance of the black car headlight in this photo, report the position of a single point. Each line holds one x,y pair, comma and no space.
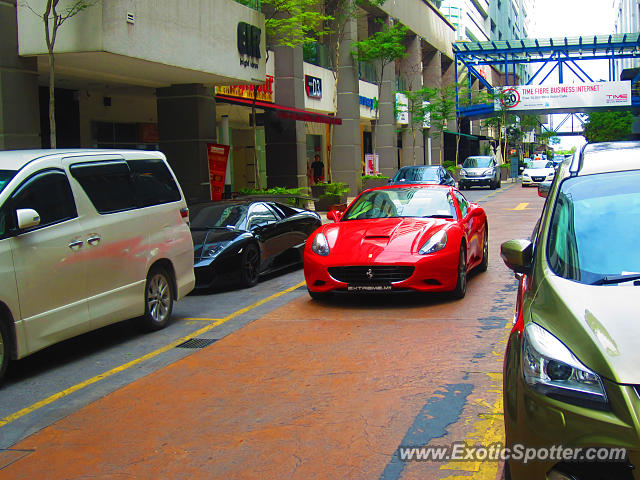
320,245
213,249
550,368
436,242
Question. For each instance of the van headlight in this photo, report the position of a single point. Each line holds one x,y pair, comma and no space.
320,245
436,242
550,368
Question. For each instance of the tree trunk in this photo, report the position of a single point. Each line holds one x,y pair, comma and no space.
52,101
256,171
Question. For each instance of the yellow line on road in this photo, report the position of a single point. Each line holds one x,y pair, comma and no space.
495,192
520,206
197,319
155,353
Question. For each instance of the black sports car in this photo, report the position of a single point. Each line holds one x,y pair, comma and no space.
240,240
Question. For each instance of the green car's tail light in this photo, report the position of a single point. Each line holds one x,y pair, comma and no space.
550,368
320,245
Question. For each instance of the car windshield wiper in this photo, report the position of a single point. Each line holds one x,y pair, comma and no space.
440,215
612,279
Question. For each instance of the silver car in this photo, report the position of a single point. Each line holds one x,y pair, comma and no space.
479,171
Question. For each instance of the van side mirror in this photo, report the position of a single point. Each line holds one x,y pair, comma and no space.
27,218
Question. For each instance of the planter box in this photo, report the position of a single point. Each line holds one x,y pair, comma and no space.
374,182
504,173
325,203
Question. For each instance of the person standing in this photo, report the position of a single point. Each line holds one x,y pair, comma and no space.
318,169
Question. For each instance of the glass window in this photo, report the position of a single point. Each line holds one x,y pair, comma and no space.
463,203
260,215
153,182
418,174
217,215
49,194
591,234
401,202
478,162
5,177
107,184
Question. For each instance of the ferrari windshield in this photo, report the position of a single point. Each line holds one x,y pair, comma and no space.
213,216
5,177
402,202
417,174
477,162
591,236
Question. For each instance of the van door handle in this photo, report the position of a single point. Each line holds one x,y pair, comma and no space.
76,244
94,240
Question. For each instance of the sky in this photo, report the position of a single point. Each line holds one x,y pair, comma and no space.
574,18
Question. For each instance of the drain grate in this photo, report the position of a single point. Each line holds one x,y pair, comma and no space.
197,343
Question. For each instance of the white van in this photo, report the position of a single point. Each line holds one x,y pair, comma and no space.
88,238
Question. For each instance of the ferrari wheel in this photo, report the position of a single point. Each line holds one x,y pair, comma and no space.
461,285
250,266
318,295
484,263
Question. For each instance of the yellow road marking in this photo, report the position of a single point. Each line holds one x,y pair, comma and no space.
155,353
520,206
495,192
196,319
488,430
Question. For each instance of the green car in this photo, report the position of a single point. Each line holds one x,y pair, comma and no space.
572,364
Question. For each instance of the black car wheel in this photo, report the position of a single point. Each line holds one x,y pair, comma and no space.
484,263
158,300
250,266
461,286
492,185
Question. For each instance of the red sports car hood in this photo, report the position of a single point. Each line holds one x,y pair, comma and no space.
364,241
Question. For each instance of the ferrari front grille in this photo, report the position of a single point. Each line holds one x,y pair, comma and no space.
371,275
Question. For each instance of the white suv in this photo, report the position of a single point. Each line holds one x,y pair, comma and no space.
88,238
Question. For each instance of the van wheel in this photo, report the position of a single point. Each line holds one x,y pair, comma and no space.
250,266
4,349
461,285
158,300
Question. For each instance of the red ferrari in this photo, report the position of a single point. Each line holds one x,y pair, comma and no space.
423,238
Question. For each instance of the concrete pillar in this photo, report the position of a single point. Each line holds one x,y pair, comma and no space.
346,154
285,139
411,68
385,130
432,78
186,123
19,103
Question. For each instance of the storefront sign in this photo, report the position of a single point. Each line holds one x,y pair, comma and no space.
370,103
313,86
371,164
265,92
249,44
579,95
217,156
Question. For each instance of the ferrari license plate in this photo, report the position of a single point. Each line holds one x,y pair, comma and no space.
369,288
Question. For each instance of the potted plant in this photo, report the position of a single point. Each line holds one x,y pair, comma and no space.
297,197
505,170
333,194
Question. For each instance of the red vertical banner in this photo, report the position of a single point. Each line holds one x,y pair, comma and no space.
217,155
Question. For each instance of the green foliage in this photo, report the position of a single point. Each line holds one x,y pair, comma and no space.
382,47
337,188
367,177
608,126
293,22
274,191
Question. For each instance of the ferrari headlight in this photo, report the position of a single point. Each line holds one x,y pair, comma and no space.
320,245
436,242
549,367
212,250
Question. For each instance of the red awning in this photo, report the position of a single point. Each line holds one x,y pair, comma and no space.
285,112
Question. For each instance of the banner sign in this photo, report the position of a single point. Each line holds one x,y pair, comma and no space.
313,86
217,156
578,95
402,109
371,164
265,92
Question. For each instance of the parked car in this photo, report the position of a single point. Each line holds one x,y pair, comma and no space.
237,241
87,238
423,238
571,374
539,171
431,174
479,171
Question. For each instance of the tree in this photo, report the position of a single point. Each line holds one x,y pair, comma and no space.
381,49
53,20
608,126
419,112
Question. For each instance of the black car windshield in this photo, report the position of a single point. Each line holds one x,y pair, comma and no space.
5,177
402,202
417,174
591,235
477,162
212,216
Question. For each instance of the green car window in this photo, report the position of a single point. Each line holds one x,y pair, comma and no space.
591,234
